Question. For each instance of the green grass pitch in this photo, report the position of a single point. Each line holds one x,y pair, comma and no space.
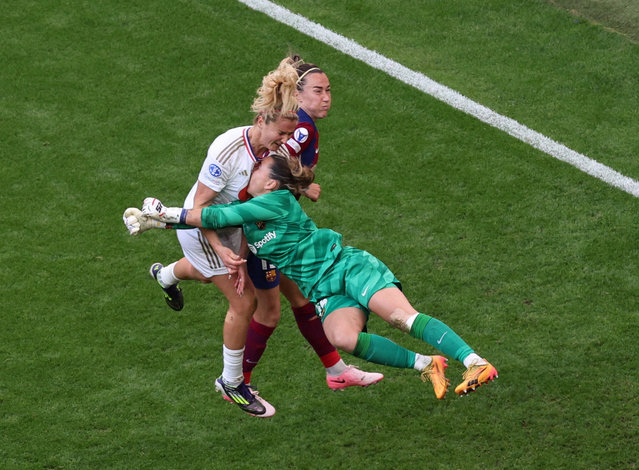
531,261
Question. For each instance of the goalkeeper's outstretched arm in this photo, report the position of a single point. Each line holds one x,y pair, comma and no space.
154,214
218,216
136,222
173,217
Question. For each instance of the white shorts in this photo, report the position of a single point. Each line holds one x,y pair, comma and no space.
200,253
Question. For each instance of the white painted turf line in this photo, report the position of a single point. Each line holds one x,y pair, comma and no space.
447,95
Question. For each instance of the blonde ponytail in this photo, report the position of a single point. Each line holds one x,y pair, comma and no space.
276,96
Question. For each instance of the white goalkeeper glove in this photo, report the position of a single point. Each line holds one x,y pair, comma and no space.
154,209
136,222
285,151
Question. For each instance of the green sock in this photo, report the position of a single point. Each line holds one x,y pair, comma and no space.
382,350
441,336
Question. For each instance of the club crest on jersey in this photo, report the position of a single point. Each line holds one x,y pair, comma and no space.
300,134
215,171
261,225
270,275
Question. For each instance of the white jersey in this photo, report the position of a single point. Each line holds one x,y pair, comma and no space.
226,170
227,167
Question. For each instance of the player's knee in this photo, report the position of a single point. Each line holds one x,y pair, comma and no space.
267,316
342,339
243,306
398,319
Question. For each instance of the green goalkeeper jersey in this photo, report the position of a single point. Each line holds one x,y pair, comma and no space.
278,230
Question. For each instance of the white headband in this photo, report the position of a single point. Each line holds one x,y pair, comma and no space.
306,73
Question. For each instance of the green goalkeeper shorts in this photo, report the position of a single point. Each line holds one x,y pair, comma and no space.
351,282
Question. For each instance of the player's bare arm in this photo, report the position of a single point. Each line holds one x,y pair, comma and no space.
204,197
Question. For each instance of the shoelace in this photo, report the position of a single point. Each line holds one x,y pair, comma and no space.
243,390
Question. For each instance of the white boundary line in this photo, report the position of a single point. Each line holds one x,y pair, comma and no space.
447,95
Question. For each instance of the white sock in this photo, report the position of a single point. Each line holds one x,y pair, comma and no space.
232,372
166,276
422,361
474,359
410,321
336,369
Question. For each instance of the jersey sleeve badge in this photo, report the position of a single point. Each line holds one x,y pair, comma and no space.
300,135
215,171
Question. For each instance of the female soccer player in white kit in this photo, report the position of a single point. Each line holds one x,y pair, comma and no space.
207,253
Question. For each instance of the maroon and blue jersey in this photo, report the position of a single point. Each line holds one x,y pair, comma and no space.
305,140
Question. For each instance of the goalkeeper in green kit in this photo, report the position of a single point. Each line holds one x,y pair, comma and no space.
345,283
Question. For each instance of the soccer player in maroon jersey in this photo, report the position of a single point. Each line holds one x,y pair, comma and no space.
314,99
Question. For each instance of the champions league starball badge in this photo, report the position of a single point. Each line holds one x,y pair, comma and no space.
215,170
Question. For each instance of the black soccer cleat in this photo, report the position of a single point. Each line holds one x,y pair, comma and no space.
172,294
246,398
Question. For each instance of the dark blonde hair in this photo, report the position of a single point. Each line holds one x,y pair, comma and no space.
290,173
276,97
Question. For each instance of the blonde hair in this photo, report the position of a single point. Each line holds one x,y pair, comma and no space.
276,97
290,173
